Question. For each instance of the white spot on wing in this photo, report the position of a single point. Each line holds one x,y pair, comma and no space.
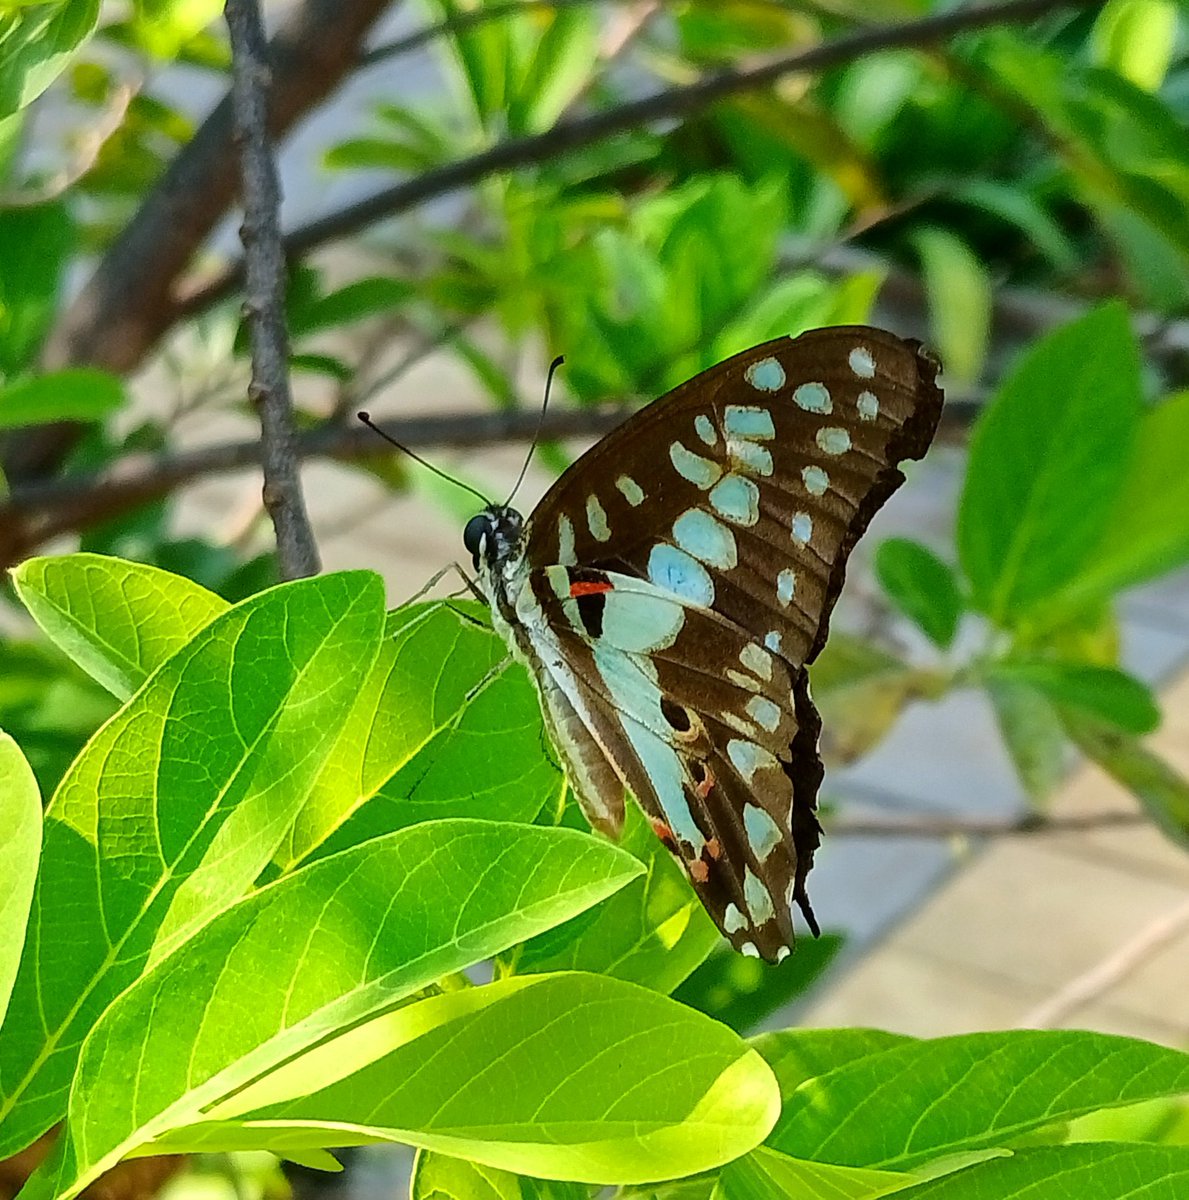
737,499
833,440
758,661
750,683
733,920
802,527
764,712
772,640
699,534
677,572
632,492
782,953
705,429
767,375
814,398
565,541
786,585
698,470
763,834
757,459
636,621
861,362
816,480
868,405
756,897
596,519
749,421
748,758
748,950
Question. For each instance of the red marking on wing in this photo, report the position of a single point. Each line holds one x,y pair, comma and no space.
705,784
699,872
714,849
589,587
663,832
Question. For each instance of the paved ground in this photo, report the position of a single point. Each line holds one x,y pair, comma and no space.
941,938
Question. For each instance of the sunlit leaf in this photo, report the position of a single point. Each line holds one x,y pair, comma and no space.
20,818
959,295
75,394
922,586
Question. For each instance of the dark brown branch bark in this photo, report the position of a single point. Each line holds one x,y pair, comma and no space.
128,303
948,827
297,553
36,512
670,104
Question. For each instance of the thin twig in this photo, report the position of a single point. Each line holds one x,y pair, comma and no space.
948,827
1110,971
670,104
35,512
297,552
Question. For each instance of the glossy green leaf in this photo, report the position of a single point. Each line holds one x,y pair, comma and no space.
38,42
931,1099
959,296
20,819
1159,787
922,586
118,620
1032,732
653,932
1092,1171
1105,692
765,1174
172,810
321,950
436,1177
599,1081
370,297
446,725
35,242
797,1055
75,394
1136,38
1147,532
557,70
1047,460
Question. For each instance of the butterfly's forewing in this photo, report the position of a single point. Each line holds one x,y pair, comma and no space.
739,495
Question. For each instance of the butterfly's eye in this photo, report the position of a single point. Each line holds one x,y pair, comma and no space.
472,535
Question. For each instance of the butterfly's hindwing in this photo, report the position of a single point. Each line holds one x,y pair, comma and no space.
679,577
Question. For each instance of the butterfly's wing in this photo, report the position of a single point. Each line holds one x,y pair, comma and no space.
741,494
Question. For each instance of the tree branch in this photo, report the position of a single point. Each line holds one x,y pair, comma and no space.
948,827
35,512
669,104
128,303
297,553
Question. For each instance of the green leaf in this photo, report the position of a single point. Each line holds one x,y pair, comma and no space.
797,1055
446,725
765,1174
922,586
1047,459
1162,790
600,1081
118,620
35,243
369,297
322,951
38,41
1032,732
436,1177
1136,39
1104,692
171,812
76,394
1025,212
959,296
20,818
931,1099
653,932
1092,1171
1147,532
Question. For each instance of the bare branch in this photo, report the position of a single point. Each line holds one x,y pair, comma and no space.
36,512
669,104
1110,971
948,827
297,553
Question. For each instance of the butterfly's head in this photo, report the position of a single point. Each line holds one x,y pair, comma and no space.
493,536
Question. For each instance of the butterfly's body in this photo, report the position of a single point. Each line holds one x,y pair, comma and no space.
670,589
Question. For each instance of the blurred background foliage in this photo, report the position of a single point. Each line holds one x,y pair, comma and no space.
1016,195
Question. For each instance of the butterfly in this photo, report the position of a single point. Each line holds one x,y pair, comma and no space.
671,588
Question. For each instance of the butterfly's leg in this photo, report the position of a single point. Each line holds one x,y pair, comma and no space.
438,576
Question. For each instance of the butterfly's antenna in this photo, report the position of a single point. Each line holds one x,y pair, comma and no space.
557,362
367,420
